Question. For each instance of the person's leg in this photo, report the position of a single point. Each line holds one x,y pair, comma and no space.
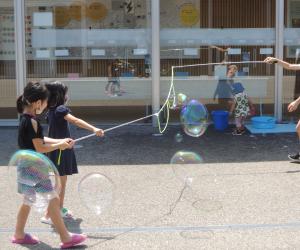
243,118
298,129
238,124
229,103
64,212
119,85
63,181
296,156
106,86
68,239
22,217
54,214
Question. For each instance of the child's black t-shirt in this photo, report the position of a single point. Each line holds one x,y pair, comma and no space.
27,132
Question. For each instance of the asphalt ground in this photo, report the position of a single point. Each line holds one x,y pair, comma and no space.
243,196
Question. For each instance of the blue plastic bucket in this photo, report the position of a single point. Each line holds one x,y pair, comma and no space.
220,119
263,122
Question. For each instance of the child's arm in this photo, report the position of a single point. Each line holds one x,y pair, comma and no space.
44,146
82,124
48,140
232,106
250,101
51,140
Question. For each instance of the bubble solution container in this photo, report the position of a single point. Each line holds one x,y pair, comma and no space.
263,122
220,119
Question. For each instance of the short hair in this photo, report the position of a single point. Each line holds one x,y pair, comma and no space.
233,66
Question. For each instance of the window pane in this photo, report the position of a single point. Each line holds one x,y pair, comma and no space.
7,61
98,48
214,31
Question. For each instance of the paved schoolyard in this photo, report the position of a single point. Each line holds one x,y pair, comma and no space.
244,195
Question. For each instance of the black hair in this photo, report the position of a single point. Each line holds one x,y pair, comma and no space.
57,93
33,92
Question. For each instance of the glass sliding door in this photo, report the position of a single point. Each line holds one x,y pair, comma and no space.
101,49
206,32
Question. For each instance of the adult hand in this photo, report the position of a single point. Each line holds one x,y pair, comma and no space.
292,106
271,60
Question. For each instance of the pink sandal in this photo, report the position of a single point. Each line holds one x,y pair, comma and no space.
27,240
75,240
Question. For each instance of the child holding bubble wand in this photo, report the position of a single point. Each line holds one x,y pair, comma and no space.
59,116
30,136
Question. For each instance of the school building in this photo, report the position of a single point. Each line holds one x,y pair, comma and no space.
116,56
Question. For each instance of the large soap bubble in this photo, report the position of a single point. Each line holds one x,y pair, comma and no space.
180,169
36,178
194,118
96,192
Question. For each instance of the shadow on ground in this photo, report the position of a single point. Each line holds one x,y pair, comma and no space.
137,144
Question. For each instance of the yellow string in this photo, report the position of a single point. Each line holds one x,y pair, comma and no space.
167,121
59,158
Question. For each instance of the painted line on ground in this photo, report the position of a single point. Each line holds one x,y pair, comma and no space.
142,229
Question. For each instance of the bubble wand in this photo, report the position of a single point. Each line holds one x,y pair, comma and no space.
171,96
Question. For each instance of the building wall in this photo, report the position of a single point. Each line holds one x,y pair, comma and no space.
117,29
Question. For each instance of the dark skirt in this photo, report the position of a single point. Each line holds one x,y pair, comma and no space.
67,164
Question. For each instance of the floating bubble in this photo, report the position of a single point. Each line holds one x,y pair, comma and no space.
178,137
186,157
179,161
181,99
96,192
194,118
35,177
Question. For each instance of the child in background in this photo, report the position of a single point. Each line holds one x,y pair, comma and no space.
30,136
241,107
224,88
59,116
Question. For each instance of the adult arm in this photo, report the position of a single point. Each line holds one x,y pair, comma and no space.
286,65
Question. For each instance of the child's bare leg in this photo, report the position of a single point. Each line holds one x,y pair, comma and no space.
63,181
243,122
54,213
298,129
21,221
238,122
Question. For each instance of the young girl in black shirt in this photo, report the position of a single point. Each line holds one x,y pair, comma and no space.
30,136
